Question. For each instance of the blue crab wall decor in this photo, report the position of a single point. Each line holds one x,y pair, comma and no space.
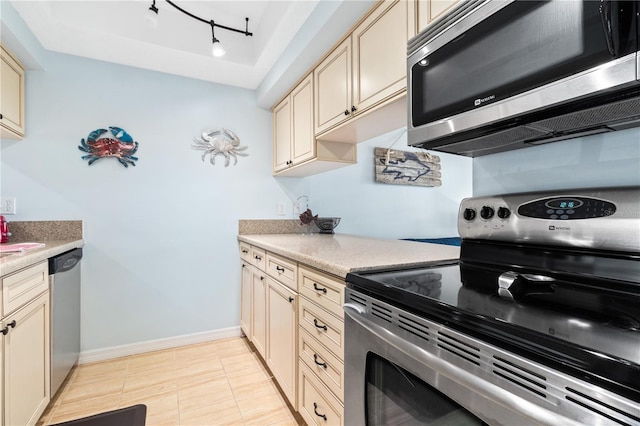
114,142
220,142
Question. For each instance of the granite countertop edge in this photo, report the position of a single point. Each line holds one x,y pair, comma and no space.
377,253
17,261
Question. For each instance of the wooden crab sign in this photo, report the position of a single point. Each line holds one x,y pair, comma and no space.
114,142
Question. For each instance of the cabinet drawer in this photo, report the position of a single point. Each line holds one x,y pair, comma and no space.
325,365
23,286
322,289
258,258
316,404
245,252
283,270
323,326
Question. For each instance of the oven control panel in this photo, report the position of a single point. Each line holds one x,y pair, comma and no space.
603,218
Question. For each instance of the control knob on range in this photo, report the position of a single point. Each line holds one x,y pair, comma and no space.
486,212
503,213
469,214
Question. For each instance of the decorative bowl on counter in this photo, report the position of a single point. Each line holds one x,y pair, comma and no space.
326,224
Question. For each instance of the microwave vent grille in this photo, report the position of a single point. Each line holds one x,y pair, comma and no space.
494,141
627,109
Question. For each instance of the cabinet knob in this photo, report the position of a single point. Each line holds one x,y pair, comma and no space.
5,330
346,112
0,116
291,299
353,108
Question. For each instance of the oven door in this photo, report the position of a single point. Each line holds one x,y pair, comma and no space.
391,378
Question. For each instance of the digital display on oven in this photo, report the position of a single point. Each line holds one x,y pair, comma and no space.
567,208
564,203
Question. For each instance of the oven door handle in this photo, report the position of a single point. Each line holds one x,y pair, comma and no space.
455,373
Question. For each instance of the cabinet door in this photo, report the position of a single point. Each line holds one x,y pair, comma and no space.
26,363
380,54
282,135
428,10
11,96
281,334
303,144
332,88
245,300
258,320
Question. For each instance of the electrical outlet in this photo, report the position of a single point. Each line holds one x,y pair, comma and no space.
280,208
8,205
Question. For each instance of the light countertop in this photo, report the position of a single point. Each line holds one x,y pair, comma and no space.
339,254
16,261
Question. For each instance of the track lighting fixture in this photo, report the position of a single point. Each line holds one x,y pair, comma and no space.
217,49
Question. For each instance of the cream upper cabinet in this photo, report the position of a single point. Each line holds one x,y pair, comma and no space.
380,53
428,10
282,135
293,127
11,96
332,88
360,87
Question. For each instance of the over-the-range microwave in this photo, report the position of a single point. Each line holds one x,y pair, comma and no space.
498,75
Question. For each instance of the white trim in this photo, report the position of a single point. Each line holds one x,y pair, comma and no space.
159,344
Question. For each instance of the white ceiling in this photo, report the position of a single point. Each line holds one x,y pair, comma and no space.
117,31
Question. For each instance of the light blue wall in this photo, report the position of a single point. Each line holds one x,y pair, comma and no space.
611,159
391,211
161,256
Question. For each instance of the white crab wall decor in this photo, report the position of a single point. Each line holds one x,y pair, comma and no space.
220,142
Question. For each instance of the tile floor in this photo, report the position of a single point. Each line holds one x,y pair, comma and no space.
216,383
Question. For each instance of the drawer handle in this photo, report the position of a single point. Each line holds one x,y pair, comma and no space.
245,251
322,289
256,257
321,364
315,410
323,327
5,330
279,269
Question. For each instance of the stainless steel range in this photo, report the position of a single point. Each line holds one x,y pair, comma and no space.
538,322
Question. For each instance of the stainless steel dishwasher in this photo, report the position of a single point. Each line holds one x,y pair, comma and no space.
64,276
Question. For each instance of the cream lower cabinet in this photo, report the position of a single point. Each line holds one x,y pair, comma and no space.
259,312
11,96
245,298
25,356
320,348
268,314
282,331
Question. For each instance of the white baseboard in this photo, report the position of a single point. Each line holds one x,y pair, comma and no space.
156,345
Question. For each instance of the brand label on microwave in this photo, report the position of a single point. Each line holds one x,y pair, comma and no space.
480,101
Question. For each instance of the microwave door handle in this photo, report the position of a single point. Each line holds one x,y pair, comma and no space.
605,16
